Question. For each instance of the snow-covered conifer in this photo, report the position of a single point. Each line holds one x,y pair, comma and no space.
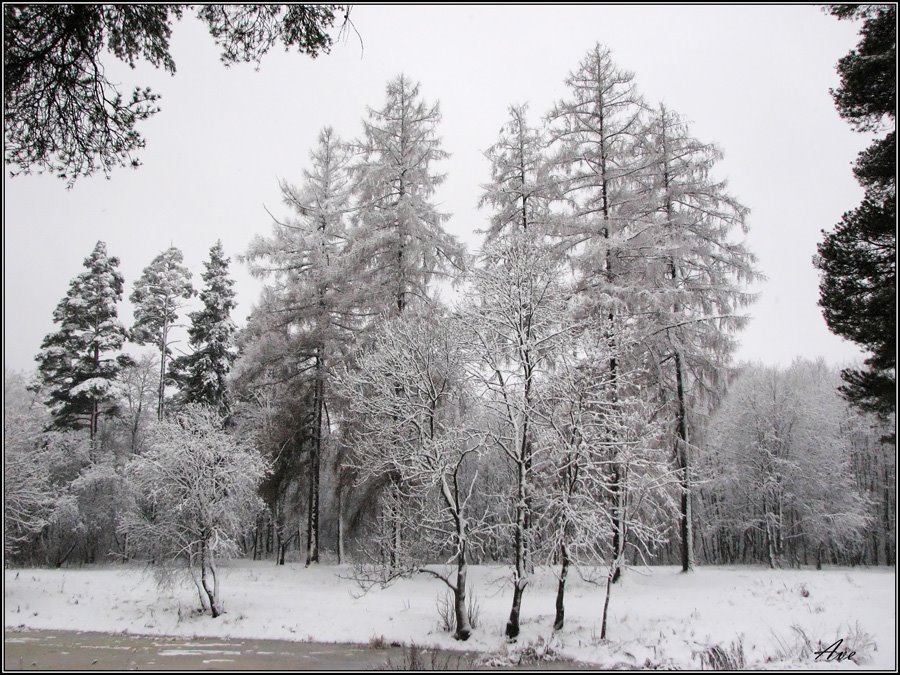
692,281
309,303
399,239
521,187
202,373
157,296
78,364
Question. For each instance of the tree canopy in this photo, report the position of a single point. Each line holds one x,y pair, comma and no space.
858,285
64,115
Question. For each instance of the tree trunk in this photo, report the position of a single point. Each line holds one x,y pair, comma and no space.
204,580
683,458
609,582
889,526
520,580
340,517
618,495
463,628
95,406
312,527
160,408
393,523
512,626
560,619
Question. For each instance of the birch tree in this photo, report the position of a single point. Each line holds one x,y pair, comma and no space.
514,313
604,469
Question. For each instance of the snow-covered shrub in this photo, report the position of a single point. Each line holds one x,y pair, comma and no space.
194,495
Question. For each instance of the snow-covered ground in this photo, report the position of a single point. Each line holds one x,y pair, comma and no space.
658,617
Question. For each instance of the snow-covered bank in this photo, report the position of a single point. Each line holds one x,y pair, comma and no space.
658,617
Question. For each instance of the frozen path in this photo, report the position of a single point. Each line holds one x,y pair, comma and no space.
60,650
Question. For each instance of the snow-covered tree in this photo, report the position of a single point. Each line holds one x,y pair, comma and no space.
873,464
78,364
202,373
399,240
27,492
398,243
593,132
521,186
514,313
157,296
407,397
604,467
137,385
786,461
311,293
194,495
692,280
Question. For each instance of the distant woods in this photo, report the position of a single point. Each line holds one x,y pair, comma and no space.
564,396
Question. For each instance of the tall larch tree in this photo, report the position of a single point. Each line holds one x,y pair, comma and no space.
858,260
305,257
202,373
78,363
398,230
398,237
593,132
521,187
694,275
157,296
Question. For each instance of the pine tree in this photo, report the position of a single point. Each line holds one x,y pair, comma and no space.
157,297
77,363
858,286
399,234
202,373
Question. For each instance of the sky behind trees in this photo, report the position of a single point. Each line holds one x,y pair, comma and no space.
753,79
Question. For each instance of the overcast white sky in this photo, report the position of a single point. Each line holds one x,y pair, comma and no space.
753,79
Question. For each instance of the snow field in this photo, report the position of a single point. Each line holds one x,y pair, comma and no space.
658,617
